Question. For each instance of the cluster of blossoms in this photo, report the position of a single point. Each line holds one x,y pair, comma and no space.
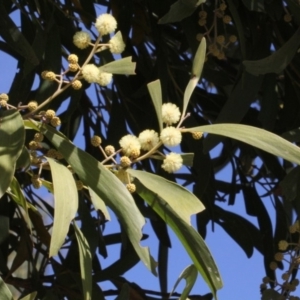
135,148
288,253
220,42
3,100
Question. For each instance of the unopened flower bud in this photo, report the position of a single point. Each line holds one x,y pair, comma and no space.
76,84
55,121
109,150
125,161
131,187
50,76
96,141
32,105
73,59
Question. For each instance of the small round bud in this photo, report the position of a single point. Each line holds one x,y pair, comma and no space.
73,67
266,280
227,19
283,245
135,153
202,14
37,183
263,286
73,59
32,105
43,74
222,6
96,141
4,97
104,78
285,276
220,39
49,114
221,55
278,256
76,84
38,137
295,282
131,187
273,265
292,229
79,185
51,153
287,18
202,22
109,150
55,121
233,38
59,155
3,103
212,47
125,162
33,145
50,76
197,135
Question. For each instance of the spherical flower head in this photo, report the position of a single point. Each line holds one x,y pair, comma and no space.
49,114
170,136
129,144
81,39
76,84
125,162
55,121
172,162
4,97
96,141
3,103
50,76
273,265
148,139
33,145
73,67
73,59
278,256
32,105
51,153
104,78
283,245
90,73
197,135
106,24
170,113
109,150
116,44
38,137
131,187
37,183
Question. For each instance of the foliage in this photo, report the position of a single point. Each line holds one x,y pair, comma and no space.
248,90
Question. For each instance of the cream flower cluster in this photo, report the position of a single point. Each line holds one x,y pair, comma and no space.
106,24
130,145
170,113
172,162
92,73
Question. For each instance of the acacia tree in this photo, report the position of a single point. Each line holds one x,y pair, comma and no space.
246,99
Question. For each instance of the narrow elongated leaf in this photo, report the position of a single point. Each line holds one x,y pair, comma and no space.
197,68
65,204
30,296
108,188
255,5
276,62
256,137
182,201
121,66
99,204
125,292
12,136
154,89
24,159
190,276
5,293
189,237
85,258
18,197
180,10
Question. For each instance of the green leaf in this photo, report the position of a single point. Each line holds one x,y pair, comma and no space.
108,188
190,276
23,161
121,66
180,10
182,201
256,137
12,137
5,293
154,89
189,237
99,204
85,258
18,196
276,62
30,296
197,68
187,159
65,204
255,5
